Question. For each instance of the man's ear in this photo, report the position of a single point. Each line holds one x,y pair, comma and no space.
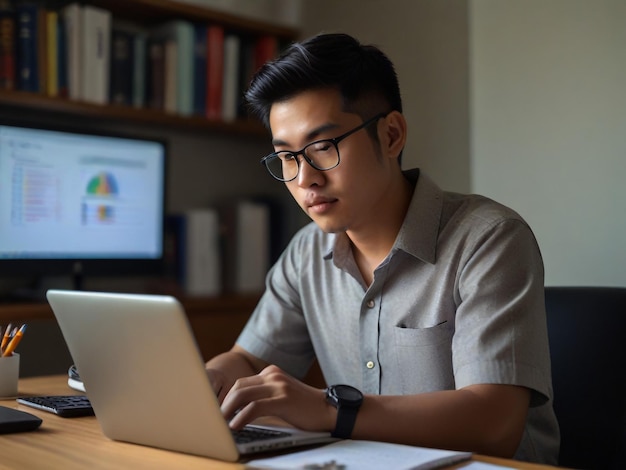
393,135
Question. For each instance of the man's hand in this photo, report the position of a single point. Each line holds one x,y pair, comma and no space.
218,382
273,392
223,370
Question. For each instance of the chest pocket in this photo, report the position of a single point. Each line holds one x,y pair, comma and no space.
424,358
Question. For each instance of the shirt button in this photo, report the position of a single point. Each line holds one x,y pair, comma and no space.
370,364
370,303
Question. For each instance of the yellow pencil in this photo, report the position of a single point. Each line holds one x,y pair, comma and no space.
14,341
5,338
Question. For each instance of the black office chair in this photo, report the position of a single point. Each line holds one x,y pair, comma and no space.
587,331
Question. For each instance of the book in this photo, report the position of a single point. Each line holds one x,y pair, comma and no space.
61,54
200,69
246,233
253,246
72,40
215,71
179,37
52,53
95,54
139,69
121,70
230,81
27,41
246,71
170,59
193,251
7,45
155,75
266,49
364,455
42,50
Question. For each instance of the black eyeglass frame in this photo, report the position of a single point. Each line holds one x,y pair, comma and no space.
335,141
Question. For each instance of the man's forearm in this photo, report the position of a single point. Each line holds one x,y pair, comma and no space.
488,419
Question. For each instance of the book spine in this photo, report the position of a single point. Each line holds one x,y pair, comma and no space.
266,49
171,76
139,70
246,245
246,70
27,74
72,19
200,70
215,71
51,50
202,256
42,55
7,46
96,35
185,38
62,53
252,238
155,79
121,81
230,87
174,248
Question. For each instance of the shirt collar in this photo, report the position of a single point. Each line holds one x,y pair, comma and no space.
420,229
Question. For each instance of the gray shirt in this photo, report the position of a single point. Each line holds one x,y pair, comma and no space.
458,301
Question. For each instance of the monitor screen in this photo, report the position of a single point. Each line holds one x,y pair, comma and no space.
73,200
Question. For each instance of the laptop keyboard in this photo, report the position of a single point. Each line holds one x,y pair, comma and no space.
251,434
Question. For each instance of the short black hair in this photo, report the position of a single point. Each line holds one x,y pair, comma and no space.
363,75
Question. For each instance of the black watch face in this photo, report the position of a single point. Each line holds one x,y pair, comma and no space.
347,393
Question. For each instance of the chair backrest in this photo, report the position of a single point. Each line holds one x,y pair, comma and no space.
587,332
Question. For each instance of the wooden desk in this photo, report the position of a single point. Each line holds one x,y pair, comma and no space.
78,443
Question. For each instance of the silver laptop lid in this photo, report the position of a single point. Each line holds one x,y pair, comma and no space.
143,371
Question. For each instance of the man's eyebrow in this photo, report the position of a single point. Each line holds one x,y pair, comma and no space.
311,136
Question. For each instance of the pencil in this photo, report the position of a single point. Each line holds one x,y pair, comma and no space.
14,341
5,338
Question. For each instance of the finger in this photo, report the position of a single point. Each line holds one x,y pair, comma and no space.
252,411
242,396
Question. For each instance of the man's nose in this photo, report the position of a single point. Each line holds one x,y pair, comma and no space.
308,174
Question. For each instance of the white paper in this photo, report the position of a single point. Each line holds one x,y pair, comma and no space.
484,466
363,455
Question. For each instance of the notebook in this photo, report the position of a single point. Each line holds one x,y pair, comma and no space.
145,377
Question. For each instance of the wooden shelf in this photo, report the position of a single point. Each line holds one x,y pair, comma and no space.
36,102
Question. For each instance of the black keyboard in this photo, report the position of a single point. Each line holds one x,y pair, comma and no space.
63,405
251,434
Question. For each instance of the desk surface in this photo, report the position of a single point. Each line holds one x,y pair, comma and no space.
72,443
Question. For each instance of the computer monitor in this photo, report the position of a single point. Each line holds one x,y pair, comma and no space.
77,202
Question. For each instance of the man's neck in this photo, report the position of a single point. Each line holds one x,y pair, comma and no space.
372,244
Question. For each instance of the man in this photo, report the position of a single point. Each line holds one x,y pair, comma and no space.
424,308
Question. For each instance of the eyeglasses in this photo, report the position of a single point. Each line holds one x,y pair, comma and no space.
322,155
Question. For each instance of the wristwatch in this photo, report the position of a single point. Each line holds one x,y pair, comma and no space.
347,400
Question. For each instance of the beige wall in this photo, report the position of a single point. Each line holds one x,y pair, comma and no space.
548,127
521,100
427,41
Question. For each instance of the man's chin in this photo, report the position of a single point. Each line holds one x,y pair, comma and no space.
328,227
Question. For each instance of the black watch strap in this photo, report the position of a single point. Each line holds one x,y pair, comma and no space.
347,400
346,417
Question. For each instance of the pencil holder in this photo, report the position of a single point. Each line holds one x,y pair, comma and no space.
9,375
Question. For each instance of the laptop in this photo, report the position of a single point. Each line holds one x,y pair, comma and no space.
145,377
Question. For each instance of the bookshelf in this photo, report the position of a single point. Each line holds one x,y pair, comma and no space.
28,102
150,13
215,320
